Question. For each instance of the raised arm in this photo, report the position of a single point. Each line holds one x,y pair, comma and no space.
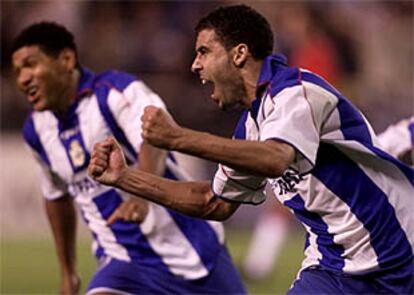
151,160
269,158
196,199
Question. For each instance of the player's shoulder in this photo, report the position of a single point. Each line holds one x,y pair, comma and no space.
285,77
115,79
29,132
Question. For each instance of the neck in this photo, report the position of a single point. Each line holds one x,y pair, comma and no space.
69,93
250,76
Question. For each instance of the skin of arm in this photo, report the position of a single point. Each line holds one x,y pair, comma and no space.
151,160
195,199
269,158
62,218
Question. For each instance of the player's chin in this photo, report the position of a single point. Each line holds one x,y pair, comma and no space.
39,107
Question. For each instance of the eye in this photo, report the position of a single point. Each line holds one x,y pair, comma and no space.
202,51
30,63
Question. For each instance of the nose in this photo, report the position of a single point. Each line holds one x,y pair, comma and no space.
24,77
196,66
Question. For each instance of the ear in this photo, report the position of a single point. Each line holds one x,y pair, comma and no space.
240,54
68,59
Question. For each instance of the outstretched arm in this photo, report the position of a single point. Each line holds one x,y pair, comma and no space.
269,158
196,199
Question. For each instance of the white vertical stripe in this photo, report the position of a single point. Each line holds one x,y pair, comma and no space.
312,254
391,181
92,125
97,224
322,102
127,108
167,240
46,126
218,229
347,230
331,130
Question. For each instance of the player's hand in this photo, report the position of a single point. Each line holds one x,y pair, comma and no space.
159,128
132,210
70,284
107,162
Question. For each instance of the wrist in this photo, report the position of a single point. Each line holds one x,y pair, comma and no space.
122,174
178,141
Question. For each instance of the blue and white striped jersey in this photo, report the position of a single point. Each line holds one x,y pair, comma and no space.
398,138
112,103
355,201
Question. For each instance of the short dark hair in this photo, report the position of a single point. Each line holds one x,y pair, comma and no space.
240,24
51,37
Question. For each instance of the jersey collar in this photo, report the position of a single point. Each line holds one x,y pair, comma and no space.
270,66
85,82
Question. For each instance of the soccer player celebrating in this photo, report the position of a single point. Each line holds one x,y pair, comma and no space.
142,248
301,135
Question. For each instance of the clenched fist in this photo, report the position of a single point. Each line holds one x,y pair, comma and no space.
159,128
107,162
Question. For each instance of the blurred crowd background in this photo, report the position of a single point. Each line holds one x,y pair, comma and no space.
365,48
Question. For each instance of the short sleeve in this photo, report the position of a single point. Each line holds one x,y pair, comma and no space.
292,118
51,185
234,186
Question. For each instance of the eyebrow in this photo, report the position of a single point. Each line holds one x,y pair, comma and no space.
201,48
23,61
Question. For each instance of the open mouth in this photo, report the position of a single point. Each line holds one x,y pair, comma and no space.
209,86
32,93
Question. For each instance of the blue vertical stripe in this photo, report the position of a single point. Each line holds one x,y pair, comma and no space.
99,251
201,236
33,140
411,130
331,252
102,93
405,169
128,234
199,233
240,132
353,125
369,204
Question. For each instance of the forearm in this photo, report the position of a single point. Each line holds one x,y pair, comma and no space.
269,158
191,198
62,218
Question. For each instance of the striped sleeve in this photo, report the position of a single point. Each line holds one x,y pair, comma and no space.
295,116
51,185
234,186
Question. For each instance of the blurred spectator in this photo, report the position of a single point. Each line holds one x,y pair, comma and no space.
350,43
306,43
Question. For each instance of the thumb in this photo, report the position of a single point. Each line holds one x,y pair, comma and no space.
115,216
113,143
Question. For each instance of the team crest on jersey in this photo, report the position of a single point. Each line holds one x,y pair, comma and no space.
76,153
